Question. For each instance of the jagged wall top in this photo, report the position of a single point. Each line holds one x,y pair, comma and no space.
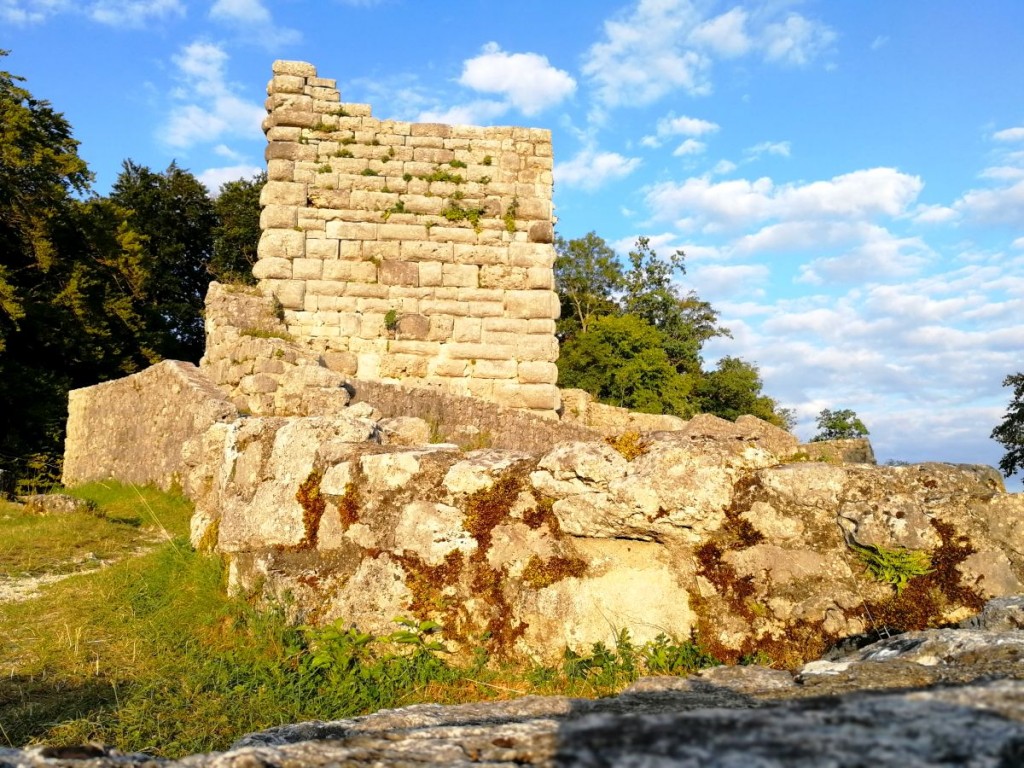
422,253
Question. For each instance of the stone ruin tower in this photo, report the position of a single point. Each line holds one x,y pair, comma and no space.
418,254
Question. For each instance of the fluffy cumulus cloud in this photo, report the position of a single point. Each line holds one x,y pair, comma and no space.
210,108
670,125
780,148
1002,202
253,19
929,347
712,206
591,169
115,13
657,47
528,81
214,178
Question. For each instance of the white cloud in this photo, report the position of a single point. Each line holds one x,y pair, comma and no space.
253,19
741,202
1003,173
690,147
1004,205
134,13
474,113
881,255
730,279
934,214
797,40
213,178
643,55
657,47
591,169
213,110
115,13
527,80
1009,134
780,148
723,167
879,42
1018,243
725,35
670,125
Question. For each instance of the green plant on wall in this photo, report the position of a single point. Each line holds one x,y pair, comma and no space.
391,320
893,566
510,215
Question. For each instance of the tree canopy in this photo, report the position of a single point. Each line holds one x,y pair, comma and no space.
839,425
91,288
1010,434
632,337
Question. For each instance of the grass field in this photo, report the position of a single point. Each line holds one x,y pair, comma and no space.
149,653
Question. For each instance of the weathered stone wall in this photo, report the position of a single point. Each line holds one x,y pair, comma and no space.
425,251
133,429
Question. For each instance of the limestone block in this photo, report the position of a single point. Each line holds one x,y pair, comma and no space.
534,348
350,230
470,351
366,290
449,368
283,193
390,251
486,309
404,430
460,275
532,304
444,307
344,363
280,170
441,328
287,84
427,252
495,369
466,329
435,155
413,326
403,366
321,248
272,267
291,293
400,232
399,273
506,325
307,269
540,278
282,243
531,255
295,68
542,232
278,217
453,234
537,372
505,277
430,273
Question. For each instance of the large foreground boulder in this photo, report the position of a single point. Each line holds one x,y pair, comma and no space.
713,532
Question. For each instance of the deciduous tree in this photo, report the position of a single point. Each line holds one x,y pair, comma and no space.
839,425
1011,432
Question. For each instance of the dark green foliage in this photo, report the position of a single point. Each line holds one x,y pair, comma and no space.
734,389
587,277
175,218
1011,432
839,425
621,361
237,233
606,667
632,337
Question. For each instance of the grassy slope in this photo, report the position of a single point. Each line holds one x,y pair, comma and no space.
150,654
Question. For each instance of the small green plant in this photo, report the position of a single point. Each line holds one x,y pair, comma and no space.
484,180
454,212
510,215
407,177
893,566
340,112
391,151
370,172
262,333
347,140
391,320
343,153
398,207
375,143
487,160
457,164
440,174
325,168
322,127
416,633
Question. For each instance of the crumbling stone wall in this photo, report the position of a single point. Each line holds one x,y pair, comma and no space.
133,429
421,253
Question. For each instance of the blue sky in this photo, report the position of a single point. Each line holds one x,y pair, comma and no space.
847,179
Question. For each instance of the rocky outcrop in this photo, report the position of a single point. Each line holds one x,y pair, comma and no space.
939,697
710,531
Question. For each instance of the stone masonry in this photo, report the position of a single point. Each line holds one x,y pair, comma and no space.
419,254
